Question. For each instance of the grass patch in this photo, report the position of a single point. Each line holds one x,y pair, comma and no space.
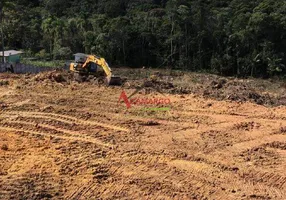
40,63
157,109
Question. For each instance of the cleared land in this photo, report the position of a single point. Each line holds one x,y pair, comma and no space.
64,140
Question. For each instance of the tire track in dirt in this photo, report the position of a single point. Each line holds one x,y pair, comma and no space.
275,183
239,147
47,128
63,118
199,176
38,125
6,93
83,192
235,180
270,179
247,178
231,177
72,138
231,117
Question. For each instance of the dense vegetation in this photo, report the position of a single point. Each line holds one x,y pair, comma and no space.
230,37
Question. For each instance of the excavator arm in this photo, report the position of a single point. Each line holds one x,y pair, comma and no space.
101,62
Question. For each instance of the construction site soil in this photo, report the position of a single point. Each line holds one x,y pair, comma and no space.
221,138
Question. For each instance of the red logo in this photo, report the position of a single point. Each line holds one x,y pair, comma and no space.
142,100
124,97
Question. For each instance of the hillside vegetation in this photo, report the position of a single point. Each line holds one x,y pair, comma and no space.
228,37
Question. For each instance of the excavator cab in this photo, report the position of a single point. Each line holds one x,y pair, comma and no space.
93,67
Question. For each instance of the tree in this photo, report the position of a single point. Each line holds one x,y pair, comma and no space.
4,4
2,34
228,37
54,29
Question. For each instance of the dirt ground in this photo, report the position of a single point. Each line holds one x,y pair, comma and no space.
65,140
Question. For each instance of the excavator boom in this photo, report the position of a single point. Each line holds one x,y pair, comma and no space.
84,69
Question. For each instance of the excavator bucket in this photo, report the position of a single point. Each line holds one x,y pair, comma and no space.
113,80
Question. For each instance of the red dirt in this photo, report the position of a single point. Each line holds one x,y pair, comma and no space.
64,140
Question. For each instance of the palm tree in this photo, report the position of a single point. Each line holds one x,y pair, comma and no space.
48,29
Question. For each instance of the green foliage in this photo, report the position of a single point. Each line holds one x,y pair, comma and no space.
38,63
62,53
42,54
228,37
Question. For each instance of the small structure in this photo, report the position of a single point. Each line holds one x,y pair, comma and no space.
11,56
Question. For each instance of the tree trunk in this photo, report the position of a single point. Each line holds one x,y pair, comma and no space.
124,53
172,30
51,49
237,64
200,54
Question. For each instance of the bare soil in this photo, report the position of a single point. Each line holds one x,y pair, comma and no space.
63,140
269,92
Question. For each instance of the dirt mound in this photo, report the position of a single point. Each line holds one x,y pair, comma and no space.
260,156
216,139
235,90
211,86
281,100
246,126
59,76
259,91
158,85
276,145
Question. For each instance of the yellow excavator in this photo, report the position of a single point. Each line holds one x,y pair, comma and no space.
87,67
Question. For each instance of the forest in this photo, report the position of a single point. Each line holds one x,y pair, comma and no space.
227,37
